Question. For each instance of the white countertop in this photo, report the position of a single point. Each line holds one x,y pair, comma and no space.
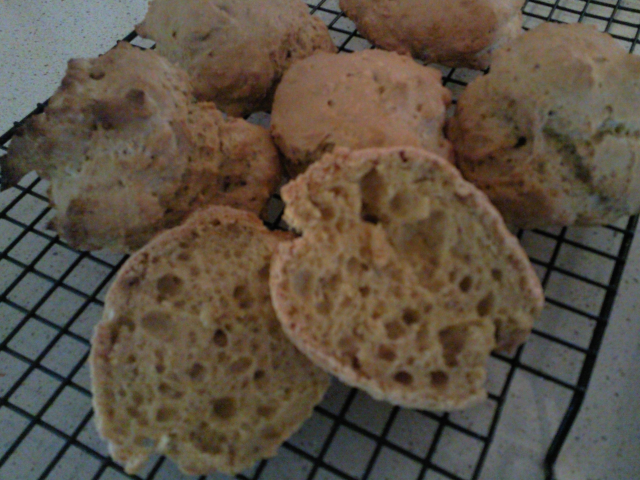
36,40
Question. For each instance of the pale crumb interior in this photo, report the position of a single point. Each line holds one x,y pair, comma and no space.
409,286
199,368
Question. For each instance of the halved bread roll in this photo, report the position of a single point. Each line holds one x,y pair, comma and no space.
189,359
405,277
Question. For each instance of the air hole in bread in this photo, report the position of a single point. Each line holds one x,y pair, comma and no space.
372,188
327,212
395,329
97,75
168,286
241,365
160,368
522,141
410,316
425,240
465,284
485,306
378,311
348,344
386,353
432,229
220,338
324,307
302,283
207,440
400,203
452,340
346,303
184,256
224,408
496,274
131,359
125,322
403,378
353,264
197,372
365,291
355,363
133,412
168,391
165,414
258,375
158,323
243,297
266,411
439,379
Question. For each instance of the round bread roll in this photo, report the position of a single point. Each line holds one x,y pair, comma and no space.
456,33
128,152
235,50
405,277
359,100
189,359
552,133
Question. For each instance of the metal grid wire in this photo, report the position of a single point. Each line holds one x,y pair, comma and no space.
51,296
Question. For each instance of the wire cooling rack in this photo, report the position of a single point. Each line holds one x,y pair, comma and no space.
51,296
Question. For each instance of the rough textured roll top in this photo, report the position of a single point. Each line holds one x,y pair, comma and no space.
358,100
235,50
456,33
552,133
128,152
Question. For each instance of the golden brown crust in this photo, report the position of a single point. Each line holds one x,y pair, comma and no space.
458,33
359,100
189,359
405,277
235,50
552,133
129,154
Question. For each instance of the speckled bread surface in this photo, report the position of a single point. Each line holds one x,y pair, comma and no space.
456,33
189,359
365,99
552,133
405,277
235,50
128,153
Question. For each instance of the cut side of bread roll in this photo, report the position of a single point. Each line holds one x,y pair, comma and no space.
189,359
405,277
